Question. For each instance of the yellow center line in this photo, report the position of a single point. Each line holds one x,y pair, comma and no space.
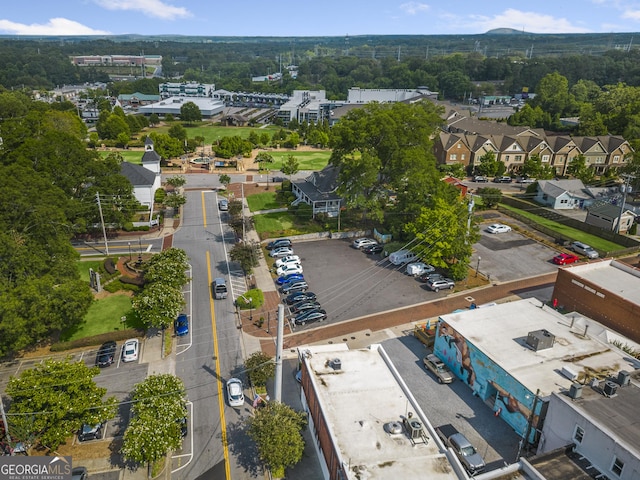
223,422
204,211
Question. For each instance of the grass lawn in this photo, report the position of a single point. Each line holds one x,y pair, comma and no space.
593,240
211,132
282,224
308,160
262,201
104,316
131,156
84,266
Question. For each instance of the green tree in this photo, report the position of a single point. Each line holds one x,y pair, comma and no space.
53,399
176,181
178,132
158,406
158,305
264,157
168,267
552,94
154,119
190,112
488,164
166,146
175,200
260,368
579,169
291,166
245,254
225,180
110,125
277,431
444,240
490,196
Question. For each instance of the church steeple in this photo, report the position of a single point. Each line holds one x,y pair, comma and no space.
148,145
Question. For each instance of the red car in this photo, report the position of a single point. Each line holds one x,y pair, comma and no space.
565,258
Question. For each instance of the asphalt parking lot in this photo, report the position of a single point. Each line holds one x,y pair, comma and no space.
351,284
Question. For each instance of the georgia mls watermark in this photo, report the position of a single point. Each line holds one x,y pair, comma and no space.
35,468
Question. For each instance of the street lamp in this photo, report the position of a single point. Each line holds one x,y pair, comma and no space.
129,250
139,250
478,265
251,309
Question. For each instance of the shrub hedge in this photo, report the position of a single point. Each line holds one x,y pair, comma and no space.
97,339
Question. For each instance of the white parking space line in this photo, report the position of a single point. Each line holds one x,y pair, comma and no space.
188,456
184,347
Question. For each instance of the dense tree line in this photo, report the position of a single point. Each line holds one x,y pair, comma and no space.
50,186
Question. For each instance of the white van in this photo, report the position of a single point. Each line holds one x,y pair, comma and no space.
402,256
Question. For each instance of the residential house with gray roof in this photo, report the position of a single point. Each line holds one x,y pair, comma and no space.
319,191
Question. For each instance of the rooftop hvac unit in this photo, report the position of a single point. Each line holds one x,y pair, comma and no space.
540,339
570,374
575,391
336,364
415,428
624,378
610,388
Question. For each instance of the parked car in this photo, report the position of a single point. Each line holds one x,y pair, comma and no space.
565,258
297,286
480,179
106,354
372,249
363,242
441,284
310,316
234,392
418,268
402,257
299,297
182,421
90,432
439,369
223,205
280,242
79,473
130,350
498,228
291,277
304,305
181,325
281,252
288,268
504,179
583,249
427,277
525,180
288,259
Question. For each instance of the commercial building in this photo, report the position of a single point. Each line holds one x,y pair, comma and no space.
208,106
364,420
186,89
516,355
606,290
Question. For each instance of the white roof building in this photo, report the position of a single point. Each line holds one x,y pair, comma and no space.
208,106
350,395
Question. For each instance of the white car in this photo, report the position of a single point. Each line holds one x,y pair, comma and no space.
130,350
281,252
498,228
234,392
418,268
363,242
288,259
288,268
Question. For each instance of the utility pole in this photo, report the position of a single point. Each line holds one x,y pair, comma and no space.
277,382
104,230
625,189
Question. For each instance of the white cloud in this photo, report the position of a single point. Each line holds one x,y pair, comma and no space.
632,14
55,26
150,8
528,21
413,8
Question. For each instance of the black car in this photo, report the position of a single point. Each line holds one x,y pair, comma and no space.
299,297
106,354
90,432
371,249
298,286
428,277
310,316
281,242
304,306
182,421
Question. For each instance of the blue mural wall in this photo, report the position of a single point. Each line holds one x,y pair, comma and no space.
510,399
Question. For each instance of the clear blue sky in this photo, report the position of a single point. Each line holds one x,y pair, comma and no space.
320,18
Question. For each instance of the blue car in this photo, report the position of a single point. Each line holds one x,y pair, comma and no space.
181,325
292,277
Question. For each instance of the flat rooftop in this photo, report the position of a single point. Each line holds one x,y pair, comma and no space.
357,400
613,276
581,344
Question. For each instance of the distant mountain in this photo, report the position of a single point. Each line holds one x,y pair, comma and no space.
506,31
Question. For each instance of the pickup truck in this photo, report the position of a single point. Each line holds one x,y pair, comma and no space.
468,455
